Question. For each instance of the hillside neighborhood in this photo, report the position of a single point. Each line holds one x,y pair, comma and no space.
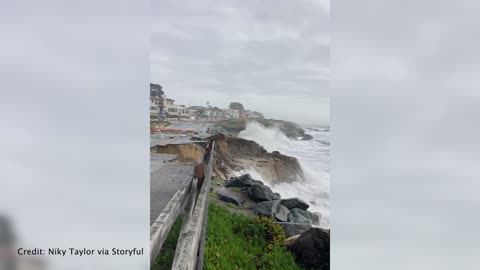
165,108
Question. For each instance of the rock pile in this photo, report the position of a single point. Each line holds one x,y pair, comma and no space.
311,246
268,203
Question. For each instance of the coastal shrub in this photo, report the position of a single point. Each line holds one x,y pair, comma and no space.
236,241
165,258
273,232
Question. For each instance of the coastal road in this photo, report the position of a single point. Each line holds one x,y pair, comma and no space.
200,125
166,176
165,180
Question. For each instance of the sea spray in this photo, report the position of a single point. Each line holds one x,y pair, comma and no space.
314,157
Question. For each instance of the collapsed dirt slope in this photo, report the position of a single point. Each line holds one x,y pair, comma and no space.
188,152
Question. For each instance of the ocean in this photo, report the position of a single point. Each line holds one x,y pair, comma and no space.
314,157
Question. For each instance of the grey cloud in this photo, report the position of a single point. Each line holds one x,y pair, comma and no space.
234,50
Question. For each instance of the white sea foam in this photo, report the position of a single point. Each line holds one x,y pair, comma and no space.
314,157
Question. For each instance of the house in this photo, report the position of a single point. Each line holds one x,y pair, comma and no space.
173,110
247,114
231,113
154,110
213,114
194,114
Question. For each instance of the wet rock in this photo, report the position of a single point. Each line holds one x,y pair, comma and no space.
233,154
291,229
294,203
300,216
276,196
244,181
312,249
271,209
260,193
228,199
281,213
291,240
258,182
264,208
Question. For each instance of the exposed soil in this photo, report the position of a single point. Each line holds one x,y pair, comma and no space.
189,152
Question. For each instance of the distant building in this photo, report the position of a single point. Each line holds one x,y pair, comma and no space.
155,107
194,114
212,114
231,113
173,110
246,114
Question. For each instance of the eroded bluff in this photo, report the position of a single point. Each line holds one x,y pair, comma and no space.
235,155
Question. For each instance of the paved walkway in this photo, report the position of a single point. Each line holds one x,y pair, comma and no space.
157,160
164,182
165,177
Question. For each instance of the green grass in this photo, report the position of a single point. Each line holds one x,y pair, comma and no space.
235,241
165,258
231,205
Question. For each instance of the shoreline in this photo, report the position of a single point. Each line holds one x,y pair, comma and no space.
237,163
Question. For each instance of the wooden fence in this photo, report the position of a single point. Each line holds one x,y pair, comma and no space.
192,201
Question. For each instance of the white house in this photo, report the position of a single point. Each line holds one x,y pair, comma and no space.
175,110
231,113
154,110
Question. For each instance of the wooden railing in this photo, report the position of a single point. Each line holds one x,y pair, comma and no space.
192,201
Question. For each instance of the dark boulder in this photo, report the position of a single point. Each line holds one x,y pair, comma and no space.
292,229
260,193
228,199
312,249
257,182
281,213
264,208
291,240
294,203
300,216
242,181
271,209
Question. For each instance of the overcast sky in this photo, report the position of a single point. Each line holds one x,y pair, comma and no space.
271,56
